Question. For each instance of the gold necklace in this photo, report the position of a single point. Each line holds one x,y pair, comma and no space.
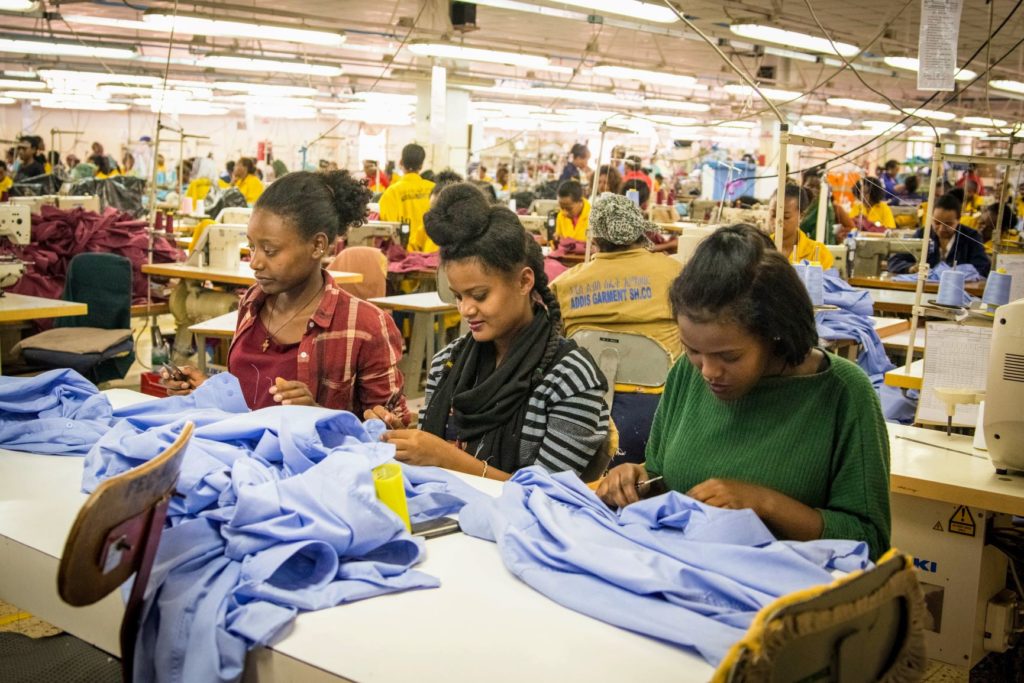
273,309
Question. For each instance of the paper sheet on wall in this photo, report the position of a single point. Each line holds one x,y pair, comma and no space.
956,357
936,44
1013,264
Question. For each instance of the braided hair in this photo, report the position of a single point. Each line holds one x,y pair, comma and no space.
467,226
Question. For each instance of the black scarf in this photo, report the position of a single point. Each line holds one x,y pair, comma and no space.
486,404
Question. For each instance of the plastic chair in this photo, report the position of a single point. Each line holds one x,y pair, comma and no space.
116,534
866,627
371,263
104,283
626,358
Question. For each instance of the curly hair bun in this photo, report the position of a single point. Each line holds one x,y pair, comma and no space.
349,197
460,214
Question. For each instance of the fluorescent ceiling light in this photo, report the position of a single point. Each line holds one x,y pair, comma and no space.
534,9
676,105
476,54
983,121
18,5
378,118
1008,86
94,77
880,126
195,24
275,111
972,133
63,94
861,105
634,9
7,100
108,22
504,108
672,120
644,76
48,47
21,84
827,120
931,114
594,97
912,64
266,88
187,93
926,130
181,106
736,124
275,103
386,98
803,41
770,93
240,63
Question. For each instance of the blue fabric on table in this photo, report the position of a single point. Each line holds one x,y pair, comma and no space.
935,274
668,567
840,324
58,412
838,292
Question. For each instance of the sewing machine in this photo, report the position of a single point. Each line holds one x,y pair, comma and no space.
16,224
87,202
1003,421
869,253
534,224
225,244
758,217
905,216
34,204
541,207
365,234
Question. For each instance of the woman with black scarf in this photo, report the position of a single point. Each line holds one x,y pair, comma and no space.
513,392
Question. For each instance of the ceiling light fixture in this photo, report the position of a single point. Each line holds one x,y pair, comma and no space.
94,77
476,54
972,133
1008,86
196,24
634,9
861,105
233,62
770,93
931,114
913,64
983,121
827,120
644,76
65,49
676,105
21,84
18,5
268,89
594,97
108,22
803,41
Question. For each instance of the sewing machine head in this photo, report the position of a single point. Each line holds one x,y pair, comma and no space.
16,222
1003,421
871,252
225,245
366,234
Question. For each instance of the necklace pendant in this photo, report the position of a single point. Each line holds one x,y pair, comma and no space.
265,345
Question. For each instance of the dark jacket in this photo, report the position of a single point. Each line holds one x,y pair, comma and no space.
967,248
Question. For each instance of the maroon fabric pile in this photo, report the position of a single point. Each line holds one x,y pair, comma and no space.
59,235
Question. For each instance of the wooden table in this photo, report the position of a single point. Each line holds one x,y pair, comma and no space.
973,288
899,341
912,379
16,308
221,327
896,301
242,275
427,309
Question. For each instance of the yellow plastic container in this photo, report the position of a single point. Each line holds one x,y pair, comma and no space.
387,480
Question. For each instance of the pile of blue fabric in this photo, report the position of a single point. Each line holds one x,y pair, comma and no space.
667,567
852,320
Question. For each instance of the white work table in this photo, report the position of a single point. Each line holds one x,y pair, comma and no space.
481,624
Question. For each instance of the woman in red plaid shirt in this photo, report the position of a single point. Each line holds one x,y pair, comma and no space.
302,340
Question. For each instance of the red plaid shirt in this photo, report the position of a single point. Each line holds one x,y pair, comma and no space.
348,356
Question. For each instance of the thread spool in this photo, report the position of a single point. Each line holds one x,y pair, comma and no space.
801,272
814,280
951,289
186,205
997,288
387,480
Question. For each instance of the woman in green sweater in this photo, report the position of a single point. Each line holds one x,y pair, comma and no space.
756,416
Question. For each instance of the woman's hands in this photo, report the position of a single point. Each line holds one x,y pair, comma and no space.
291,393
184,385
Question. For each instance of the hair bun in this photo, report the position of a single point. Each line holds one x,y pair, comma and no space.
349,197
460,214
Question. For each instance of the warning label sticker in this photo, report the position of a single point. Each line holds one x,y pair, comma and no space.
962,522
938,526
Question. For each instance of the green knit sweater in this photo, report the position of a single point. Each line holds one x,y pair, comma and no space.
819,439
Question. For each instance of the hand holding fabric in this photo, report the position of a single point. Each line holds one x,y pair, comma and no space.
732,495
416,447
389,418
292,393
619,488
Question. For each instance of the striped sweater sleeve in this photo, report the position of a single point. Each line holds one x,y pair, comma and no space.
567,415
434,376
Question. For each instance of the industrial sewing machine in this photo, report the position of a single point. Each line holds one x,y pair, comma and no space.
16,224
365,234
1003,420
871,253
225,244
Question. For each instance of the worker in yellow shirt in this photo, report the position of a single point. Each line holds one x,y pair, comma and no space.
245,179
408,198
5,178
972,205
795,242
574,211
872,207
